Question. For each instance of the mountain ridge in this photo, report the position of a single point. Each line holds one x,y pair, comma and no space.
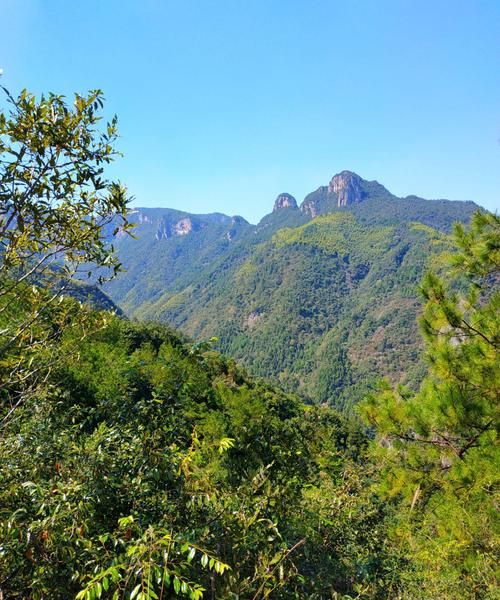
282,295
342,189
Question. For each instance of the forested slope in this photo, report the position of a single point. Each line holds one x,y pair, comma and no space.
324,308
321,298
136,464
140,443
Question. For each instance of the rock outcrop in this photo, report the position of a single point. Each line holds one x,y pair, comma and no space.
347,187
142,218
284,201
163,230
167,229
183,227
312,202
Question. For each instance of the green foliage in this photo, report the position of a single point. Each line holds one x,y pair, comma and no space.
148,467
135,464
90,294
338,234
287,309
54,199
282,296
170,262
55,208
439,448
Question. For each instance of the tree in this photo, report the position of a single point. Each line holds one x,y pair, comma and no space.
54,199
439,448
56,209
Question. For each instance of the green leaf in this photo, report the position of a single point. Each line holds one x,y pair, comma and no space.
177,585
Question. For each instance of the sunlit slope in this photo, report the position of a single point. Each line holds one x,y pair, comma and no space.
320,307
320,297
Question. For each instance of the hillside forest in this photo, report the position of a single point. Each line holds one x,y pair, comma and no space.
138,461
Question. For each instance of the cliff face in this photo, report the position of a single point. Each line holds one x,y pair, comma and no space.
347,187
166,229
285,201
314,202
183,227
165,224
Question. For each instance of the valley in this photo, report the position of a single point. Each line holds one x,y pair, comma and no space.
321,298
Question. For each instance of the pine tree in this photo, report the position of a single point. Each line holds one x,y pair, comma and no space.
438,448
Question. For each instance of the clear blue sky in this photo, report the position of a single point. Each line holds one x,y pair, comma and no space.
223,104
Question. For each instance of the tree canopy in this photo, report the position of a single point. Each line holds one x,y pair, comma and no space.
56,205
439,448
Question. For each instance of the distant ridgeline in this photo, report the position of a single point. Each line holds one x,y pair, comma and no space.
321,297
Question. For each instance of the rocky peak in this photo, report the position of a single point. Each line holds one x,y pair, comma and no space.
284,201
347,186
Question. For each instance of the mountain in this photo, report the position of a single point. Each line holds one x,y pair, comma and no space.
168,249
321,297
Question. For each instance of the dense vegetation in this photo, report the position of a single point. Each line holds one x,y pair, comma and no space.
141,456
438,449
286,310
137,464
281,297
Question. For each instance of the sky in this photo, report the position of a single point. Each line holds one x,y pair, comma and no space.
224,104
